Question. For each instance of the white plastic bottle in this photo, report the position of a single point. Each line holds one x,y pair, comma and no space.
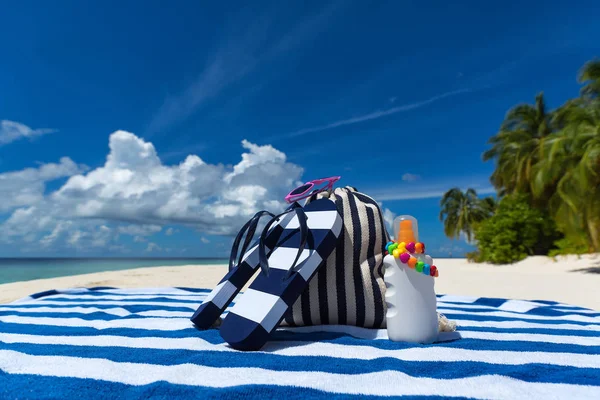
410,295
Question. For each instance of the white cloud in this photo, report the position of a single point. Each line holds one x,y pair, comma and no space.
411,190
153,247
11,131
26,187
456,251
204,240
388,217
235,58
410,177
379,113
140,230
133,193
170,231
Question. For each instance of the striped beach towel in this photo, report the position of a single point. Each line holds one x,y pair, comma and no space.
140,344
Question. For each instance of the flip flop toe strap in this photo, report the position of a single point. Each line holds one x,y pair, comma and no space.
249,228
303,226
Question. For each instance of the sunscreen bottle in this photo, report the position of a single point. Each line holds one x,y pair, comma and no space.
410,296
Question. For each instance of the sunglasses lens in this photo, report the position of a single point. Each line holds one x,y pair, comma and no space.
300,190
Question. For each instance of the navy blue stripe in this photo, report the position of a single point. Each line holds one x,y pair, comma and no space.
210,335
322,293
44,294
474,317
472,344
381,250
357,237
125,294
194,290
108,317
154,299
377,295
128,307
497,302
380,267
533,372
102,288
54,292
340,281
305,306
545,312
37,387
544,331
96,316
277,285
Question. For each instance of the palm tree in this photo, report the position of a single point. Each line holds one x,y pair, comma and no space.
590,76
518,146
572,165
462,211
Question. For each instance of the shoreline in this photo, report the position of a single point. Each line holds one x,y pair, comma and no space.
573,280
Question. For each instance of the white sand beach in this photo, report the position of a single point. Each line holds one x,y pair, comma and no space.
570,279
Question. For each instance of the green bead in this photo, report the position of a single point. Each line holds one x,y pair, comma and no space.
419,266
392,248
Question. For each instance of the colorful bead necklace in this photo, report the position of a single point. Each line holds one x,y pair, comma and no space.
403,252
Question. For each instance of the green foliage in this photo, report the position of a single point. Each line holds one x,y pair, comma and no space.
553,157
462,211
474,256
515,231
547,177
590,77
568,245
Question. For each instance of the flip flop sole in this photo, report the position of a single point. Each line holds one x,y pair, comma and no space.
260,309
221,296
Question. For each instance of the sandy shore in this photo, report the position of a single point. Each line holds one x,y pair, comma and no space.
573,280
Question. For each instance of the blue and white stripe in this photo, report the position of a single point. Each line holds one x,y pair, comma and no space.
260,309
219,298
140,343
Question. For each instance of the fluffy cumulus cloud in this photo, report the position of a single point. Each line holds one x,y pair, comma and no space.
27,187
135,194
388,217
11,131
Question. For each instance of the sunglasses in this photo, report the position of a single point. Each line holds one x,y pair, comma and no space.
306,190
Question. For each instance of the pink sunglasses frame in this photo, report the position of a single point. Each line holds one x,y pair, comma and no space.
290,198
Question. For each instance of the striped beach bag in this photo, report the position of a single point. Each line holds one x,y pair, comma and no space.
349,289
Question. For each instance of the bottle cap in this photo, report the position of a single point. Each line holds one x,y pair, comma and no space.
406,229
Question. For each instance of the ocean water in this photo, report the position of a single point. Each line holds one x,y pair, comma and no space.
26,269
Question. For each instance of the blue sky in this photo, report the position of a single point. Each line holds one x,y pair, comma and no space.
397,97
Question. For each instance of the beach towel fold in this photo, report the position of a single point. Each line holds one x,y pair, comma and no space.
140,344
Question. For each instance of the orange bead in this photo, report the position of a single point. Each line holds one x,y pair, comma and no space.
437,273
412,262
418,248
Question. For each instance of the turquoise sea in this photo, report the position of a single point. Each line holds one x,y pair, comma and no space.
26,269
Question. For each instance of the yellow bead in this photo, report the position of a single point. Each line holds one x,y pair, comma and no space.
402,248
396,253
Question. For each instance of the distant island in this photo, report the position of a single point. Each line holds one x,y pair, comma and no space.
547,181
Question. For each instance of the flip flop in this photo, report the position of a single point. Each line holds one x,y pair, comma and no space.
239,274
260,309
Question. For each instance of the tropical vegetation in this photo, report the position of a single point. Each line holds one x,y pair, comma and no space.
547,181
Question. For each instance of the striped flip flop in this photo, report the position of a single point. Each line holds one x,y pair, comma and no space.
221,296
293,262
